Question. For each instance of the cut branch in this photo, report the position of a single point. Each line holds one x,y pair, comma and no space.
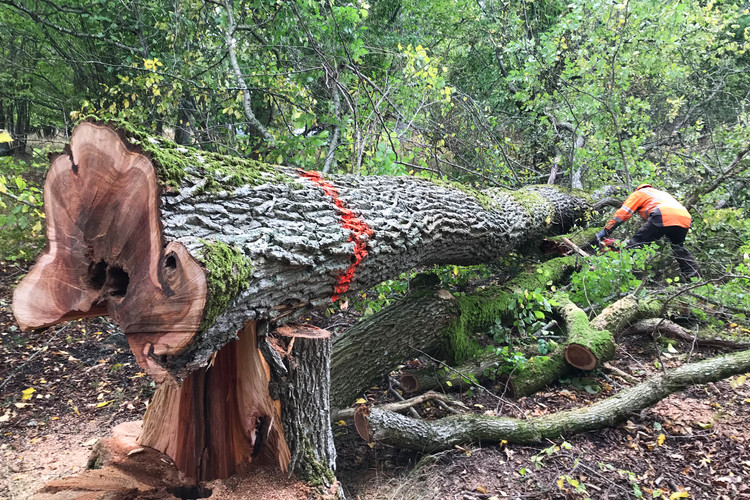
659,326
390,428
586,347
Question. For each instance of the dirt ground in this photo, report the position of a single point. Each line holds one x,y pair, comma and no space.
65,389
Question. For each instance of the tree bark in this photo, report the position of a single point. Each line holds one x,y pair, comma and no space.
393,429
373,347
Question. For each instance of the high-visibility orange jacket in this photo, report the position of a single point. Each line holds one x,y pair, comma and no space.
650,203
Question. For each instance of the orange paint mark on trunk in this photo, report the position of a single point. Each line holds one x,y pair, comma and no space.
359,231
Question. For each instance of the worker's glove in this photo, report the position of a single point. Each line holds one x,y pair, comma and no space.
594,243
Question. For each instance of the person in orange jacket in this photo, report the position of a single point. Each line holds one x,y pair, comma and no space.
664,216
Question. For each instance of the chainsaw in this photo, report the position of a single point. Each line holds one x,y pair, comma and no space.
608,245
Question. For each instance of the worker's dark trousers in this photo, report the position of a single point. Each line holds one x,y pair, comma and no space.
650,232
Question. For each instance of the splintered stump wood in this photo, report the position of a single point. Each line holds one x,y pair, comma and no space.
182,248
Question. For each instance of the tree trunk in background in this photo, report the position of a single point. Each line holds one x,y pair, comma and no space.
182,248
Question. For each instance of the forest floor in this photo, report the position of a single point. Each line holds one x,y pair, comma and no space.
65,388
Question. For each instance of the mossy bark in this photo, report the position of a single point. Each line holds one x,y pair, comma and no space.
586,347
431,322
536,374
618,315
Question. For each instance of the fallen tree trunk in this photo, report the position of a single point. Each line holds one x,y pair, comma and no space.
390,428
182,248
205,243
426,322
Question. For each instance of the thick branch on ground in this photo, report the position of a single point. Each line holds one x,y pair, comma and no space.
373,347
539,371
404,405
431,436
587,347
182,269
618,315
659,326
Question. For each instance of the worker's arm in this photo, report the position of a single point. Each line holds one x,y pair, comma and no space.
631,205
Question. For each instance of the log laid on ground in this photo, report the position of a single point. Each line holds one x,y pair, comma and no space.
667,328
426,322
390,428
618,315
373,347
182,248
586,347
539,371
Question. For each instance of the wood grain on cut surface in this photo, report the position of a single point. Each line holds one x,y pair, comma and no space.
105,251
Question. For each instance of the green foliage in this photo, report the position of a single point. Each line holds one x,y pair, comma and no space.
382,295
611,274
529,313
21,216
721,233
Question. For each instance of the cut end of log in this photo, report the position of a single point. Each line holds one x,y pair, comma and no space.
409,383
105,253
580,357
362,423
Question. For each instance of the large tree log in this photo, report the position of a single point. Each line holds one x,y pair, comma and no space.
587,347
182,248
460,430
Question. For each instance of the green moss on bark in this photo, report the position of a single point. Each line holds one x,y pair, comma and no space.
227,274
480,309
481,197
538,372
311,469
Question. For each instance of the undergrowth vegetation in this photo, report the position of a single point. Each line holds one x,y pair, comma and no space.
21,215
